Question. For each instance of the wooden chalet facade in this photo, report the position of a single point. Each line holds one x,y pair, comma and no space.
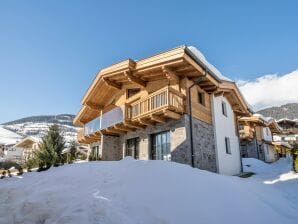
140,109
256,138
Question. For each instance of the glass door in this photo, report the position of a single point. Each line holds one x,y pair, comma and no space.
132,147
161,146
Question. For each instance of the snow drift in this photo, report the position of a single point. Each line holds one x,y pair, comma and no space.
131,191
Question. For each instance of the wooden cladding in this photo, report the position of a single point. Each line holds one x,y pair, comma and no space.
165,98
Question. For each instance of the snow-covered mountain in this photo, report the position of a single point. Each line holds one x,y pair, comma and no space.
39,125
8,137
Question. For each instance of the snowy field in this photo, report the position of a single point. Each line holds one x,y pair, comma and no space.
131,191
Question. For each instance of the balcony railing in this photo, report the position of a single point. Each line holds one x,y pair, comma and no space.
161,99
108,119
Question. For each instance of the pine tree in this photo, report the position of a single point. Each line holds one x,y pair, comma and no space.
51,147
72,150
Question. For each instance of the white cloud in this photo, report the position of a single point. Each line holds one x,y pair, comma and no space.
270,90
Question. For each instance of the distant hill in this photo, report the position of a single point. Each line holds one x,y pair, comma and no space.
289,110
39,125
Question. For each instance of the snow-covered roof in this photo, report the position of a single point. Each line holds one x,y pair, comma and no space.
287,120
266,119
200,58
8,137
29,138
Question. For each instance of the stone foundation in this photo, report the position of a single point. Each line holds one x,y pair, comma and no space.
113,148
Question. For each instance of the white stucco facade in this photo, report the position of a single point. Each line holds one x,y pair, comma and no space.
270,153
267,136
224,127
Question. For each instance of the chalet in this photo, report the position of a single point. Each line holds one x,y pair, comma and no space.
27,146
256,138
172,106
289,131
7,141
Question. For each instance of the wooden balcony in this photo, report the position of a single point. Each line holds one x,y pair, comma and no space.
155,108
166,102
246,134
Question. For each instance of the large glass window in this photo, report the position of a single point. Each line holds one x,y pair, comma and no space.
132,148
161,146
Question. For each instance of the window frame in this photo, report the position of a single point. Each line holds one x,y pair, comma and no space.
224,108
228,146
201,98
128,95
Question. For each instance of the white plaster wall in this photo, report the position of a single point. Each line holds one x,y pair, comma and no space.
267,136
228,164
12,152
270,153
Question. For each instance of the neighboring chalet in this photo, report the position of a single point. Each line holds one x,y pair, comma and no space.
7,141
141,109
256,138
289,131
27,146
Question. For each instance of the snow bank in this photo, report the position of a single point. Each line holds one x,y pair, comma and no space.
263,169
131,191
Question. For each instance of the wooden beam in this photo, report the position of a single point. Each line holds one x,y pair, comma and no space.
134,79
206,85
134,125
95,135
94,106
117,131
219,93
105,132
144,121
170,74
172,114
123,128
112,84
157,118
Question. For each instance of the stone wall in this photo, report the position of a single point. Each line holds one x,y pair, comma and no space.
204,146
110,147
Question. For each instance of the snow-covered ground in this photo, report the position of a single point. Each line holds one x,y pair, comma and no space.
131,191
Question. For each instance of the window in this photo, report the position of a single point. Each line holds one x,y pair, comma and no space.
228,147
267,131
132,147
224,108
131,92
201,98
161,146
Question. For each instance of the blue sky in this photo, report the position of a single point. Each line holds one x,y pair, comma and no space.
51,50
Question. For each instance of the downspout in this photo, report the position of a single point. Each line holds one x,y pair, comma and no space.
190,116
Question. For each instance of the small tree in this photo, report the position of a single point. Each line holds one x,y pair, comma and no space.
295,157
50,149
73,150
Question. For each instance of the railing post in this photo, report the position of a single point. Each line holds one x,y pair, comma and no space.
168,96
